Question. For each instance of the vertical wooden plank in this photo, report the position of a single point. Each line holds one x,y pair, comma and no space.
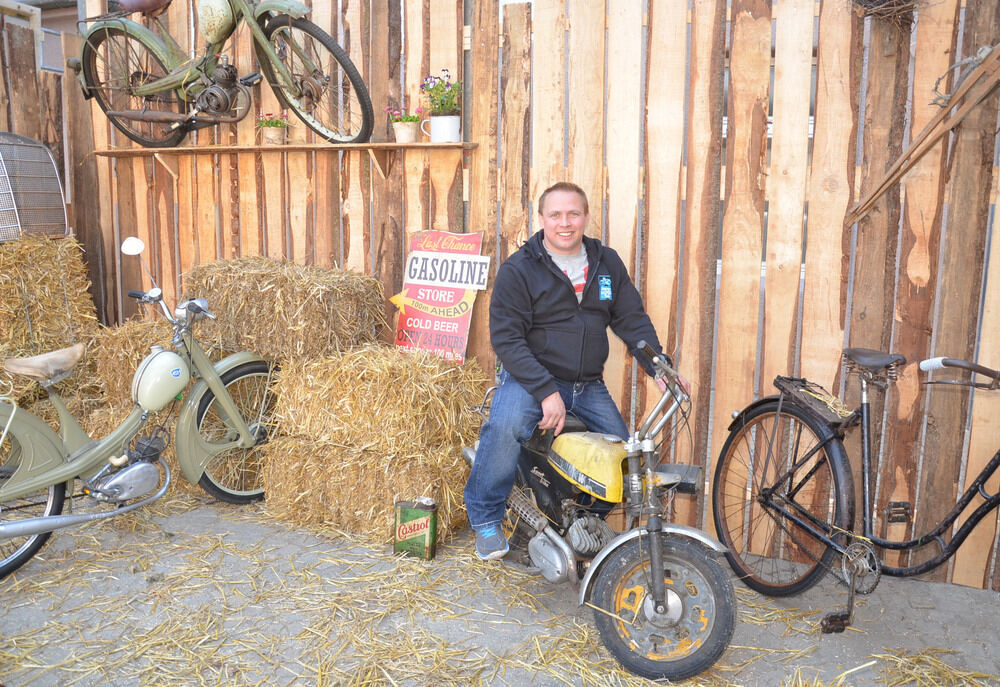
483,190
327,165
207,205
548,100
664,116
829,194
743,221
702,214
416,163
622,153
444,34
131,276
515,76
273,187
246,239
22,86
387,229
585,105
786,186
51,88
186,225
83,173
957,304
299,182
354,176
5,88
920,236
874,252
164,200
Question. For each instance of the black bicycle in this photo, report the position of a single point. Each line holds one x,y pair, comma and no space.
783,495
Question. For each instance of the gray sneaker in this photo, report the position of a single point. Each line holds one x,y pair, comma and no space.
490,543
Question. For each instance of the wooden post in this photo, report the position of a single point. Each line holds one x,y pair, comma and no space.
515,222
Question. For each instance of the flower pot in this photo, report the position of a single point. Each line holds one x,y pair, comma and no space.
444,128
272,135
405,132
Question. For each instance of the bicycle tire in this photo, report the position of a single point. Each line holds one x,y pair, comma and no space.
47,501
113,62
768,550
341,115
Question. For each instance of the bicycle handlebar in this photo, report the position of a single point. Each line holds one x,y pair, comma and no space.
940,363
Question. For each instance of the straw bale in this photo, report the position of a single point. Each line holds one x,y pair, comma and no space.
45,301
284,310
366,428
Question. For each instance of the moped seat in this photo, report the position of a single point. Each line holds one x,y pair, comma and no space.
150,7
47,367
873,360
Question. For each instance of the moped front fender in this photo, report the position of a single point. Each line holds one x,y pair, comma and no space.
289,7
622,539
193,452
41,451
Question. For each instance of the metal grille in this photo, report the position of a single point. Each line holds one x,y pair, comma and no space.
31,196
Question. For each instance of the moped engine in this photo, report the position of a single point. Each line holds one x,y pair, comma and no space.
132,481
225,91
589,534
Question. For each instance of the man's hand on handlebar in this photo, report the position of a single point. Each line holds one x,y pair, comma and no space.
553,413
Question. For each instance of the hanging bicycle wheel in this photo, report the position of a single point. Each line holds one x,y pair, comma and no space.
776,484
115,63
326,91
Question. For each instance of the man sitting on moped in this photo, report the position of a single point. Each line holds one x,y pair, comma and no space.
552,303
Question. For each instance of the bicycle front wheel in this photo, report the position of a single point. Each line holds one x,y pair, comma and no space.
236,475
777,484
16,551
326,90
115,63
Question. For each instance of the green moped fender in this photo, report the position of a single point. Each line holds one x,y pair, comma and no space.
137,30
41,450
289,7
193,452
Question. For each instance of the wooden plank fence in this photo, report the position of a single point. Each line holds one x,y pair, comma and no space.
721,144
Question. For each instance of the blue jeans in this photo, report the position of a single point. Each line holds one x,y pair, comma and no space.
513,416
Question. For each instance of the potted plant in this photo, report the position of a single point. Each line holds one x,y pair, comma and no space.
272,127
404,125
445,97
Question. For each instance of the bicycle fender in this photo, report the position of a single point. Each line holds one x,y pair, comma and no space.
289,7
41,448
193,453
760,401
135,29
625,537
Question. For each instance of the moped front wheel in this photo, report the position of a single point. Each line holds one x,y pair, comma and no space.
16,551
114,64
693,629
236,475
326,92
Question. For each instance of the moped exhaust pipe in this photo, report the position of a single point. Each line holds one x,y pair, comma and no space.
33,526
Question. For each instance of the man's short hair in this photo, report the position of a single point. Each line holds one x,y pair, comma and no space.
563,186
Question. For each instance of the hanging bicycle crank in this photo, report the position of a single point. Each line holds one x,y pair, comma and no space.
862,571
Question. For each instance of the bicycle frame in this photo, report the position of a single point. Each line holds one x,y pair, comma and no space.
183,70
822,531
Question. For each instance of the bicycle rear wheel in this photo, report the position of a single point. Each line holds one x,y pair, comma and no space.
327,92
115,63
46,501
772,481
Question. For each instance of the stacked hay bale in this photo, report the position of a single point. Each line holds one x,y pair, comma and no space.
45,302
365,428
283,310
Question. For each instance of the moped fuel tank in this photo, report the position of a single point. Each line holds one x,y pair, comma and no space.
592,461
161,376
215,19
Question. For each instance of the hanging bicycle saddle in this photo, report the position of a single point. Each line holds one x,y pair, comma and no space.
144,6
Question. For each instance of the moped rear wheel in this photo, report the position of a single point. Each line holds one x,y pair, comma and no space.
236,475
327,92
16,551
114,64
700,609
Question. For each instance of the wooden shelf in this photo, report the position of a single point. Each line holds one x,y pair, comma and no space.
383,154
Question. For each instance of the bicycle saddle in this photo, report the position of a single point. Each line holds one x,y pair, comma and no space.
873,360
47,367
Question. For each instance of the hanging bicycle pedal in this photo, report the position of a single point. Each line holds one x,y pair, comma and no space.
861,571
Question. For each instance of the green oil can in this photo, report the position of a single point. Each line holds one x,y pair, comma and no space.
416,527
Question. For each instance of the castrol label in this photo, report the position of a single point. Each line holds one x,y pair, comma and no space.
416,528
